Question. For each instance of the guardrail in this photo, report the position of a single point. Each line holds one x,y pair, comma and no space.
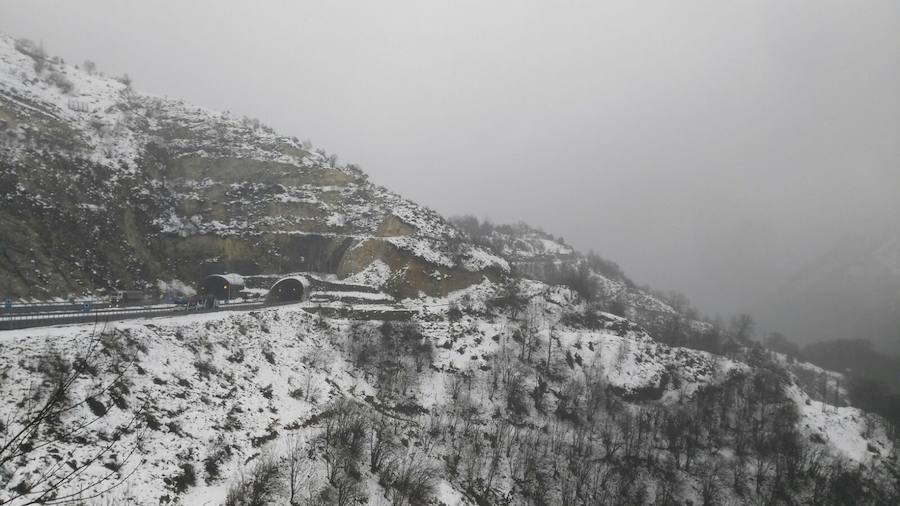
43,307
14,320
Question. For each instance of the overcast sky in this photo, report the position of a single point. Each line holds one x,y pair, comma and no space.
706,146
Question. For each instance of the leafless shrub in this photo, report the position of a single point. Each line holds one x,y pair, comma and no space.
205,368
56,78
262,484
219,451
345,430
410,481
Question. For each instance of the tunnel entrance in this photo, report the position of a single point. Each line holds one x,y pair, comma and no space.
289,289
222,286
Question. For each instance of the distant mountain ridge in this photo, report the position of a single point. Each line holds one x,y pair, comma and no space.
851,292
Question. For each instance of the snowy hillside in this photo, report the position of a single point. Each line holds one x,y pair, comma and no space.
542,256
466,397
172,190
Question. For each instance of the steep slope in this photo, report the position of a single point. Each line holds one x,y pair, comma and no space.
468,401
539,255
101,186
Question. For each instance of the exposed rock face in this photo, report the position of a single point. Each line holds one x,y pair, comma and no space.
103,187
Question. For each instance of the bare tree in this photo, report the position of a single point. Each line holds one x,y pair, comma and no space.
743,326
316,358
38,423
550,338
381,444
512,298
345,430
530,325
298,467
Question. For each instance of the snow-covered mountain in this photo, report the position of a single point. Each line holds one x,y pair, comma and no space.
103,186
495,384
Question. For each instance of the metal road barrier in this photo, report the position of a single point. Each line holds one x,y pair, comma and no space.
44,307
52,315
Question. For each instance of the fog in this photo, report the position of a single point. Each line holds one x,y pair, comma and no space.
710,147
